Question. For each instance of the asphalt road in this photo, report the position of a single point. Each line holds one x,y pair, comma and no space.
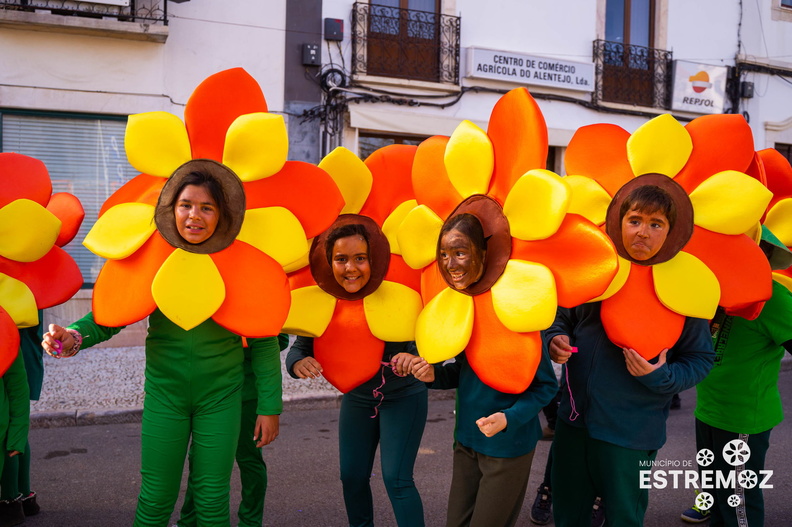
88,476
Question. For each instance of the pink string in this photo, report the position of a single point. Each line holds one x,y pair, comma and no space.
574,413
376,391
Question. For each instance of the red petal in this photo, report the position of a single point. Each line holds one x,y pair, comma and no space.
306,190
214,105
519,136
23,177
257,291
741,267
778,173
635,318
67,208
599,151
579,254
9,337
53,279
348,352
430,179
502,359
432,282
391,168
720,142
122,293
400,272
143,188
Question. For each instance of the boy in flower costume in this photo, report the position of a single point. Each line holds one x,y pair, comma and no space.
207,270
666,207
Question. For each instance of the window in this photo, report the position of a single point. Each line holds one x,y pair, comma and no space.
786,150
632,71
786,3
407,39
368,143
84,156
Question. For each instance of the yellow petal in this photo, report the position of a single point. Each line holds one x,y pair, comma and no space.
783,280
18,300
352,177
729,202
685,284
525,297
256,146
469,159
390,227
618,281
156,143
779,221
391,312
275,231
536,205
310,312
188,288
444,326
660,146
27,230
300,262
121,230
417,236
589,199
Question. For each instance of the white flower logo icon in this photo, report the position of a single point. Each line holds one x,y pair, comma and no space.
736,452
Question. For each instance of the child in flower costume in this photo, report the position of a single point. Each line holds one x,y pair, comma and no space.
354,309
488,295
675,201
207,270
35,273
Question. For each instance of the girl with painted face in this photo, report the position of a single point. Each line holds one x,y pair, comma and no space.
389,409
491,464
194,377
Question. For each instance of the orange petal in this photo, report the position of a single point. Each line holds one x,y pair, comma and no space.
142,188
720,142
778,172
391,168
306,190
519,136
256,291
9,341
301,278
348,352
740,265
432,282
53,279
580,255
599,151
122,293
68,209
648,330
23,177
502,359
215,104
400,272
430,179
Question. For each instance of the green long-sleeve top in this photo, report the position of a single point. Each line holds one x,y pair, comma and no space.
201,366
15,407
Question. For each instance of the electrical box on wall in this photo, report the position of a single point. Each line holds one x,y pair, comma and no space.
333,29
310,55
746,90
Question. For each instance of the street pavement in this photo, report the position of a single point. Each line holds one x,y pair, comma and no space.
88,476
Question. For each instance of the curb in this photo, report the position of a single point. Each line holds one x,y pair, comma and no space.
112,416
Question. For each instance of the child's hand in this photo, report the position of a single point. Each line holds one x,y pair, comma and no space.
493,424
307,368
638,366
402,364
14,453
560,349
57,342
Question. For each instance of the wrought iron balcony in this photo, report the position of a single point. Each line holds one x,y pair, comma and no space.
405,43
632,74
140,11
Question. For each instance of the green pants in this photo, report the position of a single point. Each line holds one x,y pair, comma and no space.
252,472
16,476
166,434
584,468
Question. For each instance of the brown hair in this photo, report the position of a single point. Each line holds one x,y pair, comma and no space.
351,229
649,199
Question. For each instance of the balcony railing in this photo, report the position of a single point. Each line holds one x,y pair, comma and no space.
404,43
632,74
142,11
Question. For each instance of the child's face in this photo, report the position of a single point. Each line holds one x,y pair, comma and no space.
460,261
643,234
